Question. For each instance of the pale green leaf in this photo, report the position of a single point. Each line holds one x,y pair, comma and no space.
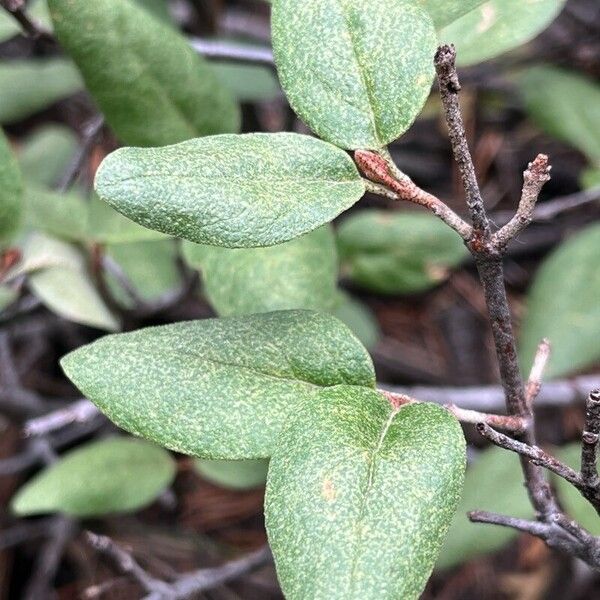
498,26
562,305
301,273
151,267
11,193
46,153
234,474
98,478
360,496
577,507
494,483
64,285
151,86
444,12
218,388
28,86
37,12
248,83
566,105
398,253
232,190
63,215
359,318
357,72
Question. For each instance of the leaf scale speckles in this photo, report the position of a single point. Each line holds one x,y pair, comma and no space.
218,388
232,190
360,496
357,72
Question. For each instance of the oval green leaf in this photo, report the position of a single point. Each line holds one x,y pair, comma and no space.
301,273
11,193
398,253
564,104
360,496
357,72
562,305
232,190
64,285
108,476
495,484
359,318
151,86
497,27
28,86
444,12
218,388
234,474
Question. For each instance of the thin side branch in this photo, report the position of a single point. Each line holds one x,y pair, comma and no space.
16,8
378,170
534,178
511,423
445,65
534,383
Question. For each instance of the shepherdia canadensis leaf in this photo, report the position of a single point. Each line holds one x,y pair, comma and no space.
498,26
11,192
445,12
232,190
301,273
112,475
398,253
151,86
218,388
360,495
562,305
357,72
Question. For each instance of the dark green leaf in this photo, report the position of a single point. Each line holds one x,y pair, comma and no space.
398,253
301,273
565,105
357,72
46,153
360,496
494,483
28,86
11,193
571,500
111,475
151,86
498,26
562,305
218,388
234,474
229,190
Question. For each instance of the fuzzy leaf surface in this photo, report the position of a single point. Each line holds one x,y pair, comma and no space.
562,305
151,86
98,478
360,495
232,190
301,273
358,73
218,388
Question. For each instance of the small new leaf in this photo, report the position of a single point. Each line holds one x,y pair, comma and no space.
232,190
112,475
218,388
360,495
357,72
